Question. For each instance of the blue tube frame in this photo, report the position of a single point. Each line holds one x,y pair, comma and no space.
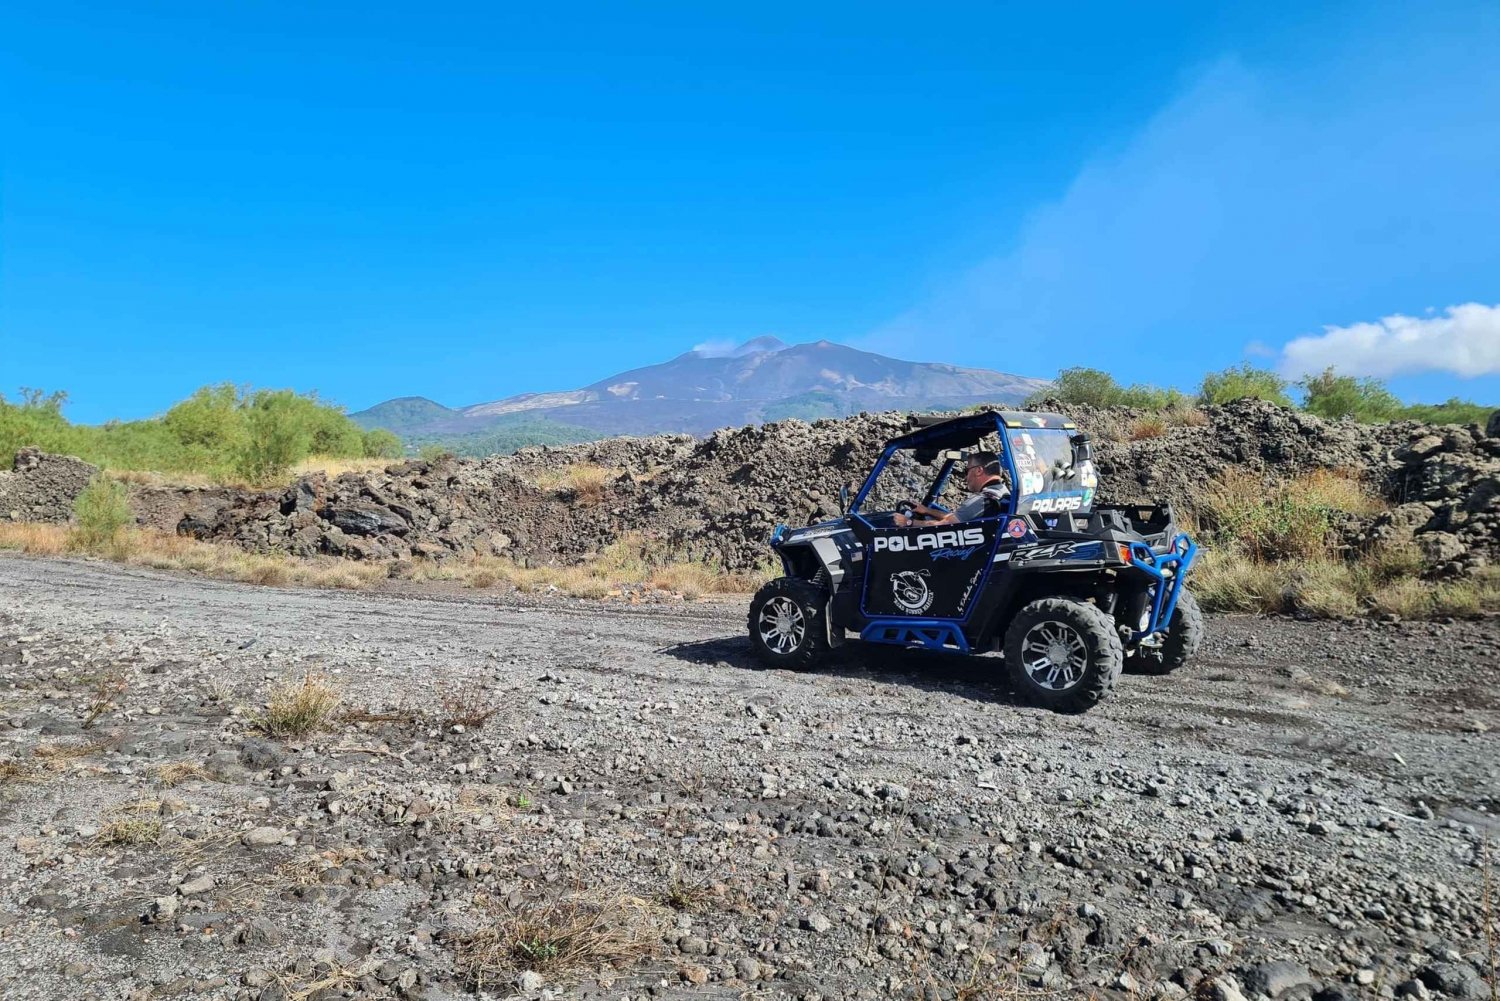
929,634
1156,565
908,441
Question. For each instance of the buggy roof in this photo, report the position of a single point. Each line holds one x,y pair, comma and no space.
957,432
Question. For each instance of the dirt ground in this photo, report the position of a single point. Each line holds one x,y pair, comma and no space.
1300,813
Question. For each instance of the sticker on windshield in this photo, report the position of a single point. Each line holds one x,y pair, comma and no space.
1057,505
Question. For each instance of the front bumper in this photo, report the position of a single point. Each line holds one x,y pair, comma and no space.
1168,570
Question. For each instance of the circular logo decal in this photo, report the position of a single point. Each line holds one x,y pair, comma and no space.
911,591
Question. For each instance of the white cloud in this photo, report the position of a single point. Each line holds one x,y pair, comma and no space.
1259,199
1463,340
715,349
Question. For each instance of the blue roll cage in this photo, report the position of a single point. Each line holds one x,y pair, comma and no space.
980,424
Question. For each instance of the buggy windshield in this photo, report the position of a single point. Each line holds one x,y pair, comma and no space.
1048,481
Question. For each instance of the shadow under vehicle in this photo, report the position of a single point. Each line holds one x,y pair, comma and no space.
1069,591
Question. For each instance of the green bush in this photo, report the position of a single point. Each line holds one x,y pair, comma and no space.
378,443
1241,383
1327,395
1095,388
1336,396
1280,519
219,431
35,419
1453,411
209,419
277,436
100,513
1368,401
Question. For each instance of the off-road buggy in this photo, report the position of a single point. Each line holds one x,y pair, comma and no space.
1069,591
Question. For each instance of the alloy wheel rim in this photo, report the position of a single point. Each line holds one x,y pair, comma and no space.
782,625
1054,655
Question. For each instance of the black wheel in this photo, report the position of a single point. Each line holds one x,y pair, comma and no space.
1063,654
1184,634
786,623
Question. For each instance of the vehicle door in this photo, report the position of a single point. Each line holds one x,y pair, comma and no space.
918,572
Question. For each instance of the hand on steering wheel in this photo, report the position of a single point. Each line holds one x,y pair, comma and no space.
907,508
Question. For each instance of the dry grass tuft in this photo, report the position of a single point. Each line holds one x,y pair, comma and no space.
151,478
1408,599
632,560
363,714
60,753
297,707
15,771
334,468
308,869
1382,581
107,688
1275,552
130,831
328,465
559,938
177,772
1282,519
585,483
34,537
1150,426
176,552
1190,417
685,895
336,982
158,550
468,706
482,577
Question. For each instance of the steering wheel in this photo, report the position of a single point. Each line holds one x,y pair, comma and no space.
906,509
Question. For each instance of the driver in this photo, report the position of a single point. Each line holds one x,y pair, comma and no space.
987,492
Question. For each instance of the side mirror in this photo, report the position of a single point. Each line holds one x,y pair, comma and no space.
844,498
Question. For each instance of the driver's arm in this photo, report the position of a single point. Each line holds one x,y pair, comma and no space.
933,516
921,516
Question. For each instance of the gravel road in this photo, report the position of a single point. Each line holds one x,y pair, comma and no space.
1300,813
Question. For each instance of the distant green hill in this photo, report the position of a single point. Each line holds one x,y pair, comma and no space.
504,437
405,413
807,406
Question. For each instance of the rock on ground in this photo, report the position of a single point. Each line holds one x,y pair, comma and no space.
887,826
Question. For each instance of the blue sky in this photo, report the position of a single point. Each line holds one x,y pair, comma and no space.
469,201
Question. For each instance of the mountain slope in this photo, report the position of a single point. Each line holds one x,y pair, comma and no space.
696,392
404,414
